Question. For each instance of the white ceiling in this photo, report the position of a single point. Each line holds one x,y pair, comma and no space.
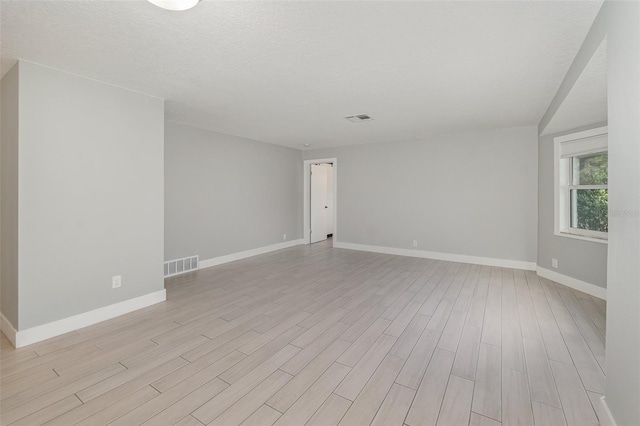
586,103
287,72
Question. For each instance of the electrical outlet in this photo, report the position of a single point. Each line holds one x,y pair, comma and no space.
284,236
415,243
554,263
116,281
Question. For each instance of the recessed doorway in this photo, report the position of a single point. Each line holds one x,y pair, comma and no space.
320,195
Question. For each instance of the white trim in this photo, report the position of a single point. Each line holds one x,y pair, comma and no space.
7,329
75,322
306,200
604,414
561,183
582,237
248,253
476,260
583,134
581,147
557,200
574,283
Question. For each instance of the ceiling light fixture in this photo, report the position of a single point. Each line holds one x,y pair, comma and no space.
175,4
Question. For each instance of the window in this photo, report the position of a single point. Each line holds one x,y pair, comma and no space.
581,179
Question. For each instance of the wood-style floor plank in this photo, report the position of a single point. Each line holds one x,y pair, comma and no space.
302,381
492,325
114,411
364,342
361,373
395,407
478,420
516,401
575,402
541,382
50,412
456,406
20,407
263,416
190,421
426,405
117,394
419,359
368,402
330,413
242,409
173,396
487,394
546,415
217,405
321,336
304,408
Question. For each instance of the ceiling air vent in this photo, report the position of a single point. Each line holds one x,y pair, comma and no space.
359,118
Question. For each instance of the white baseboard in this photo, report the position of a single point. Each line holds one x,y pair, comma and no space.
462,258
7,329
574,283
604,414
248,253
75,322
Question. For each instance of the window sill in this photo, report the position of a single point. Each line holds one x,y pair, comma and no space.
581,237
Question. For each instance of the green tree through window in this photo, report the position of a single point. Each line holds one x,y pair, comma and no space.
590,206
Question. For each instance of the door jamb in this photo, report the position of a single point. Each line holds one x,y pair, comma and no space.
306,223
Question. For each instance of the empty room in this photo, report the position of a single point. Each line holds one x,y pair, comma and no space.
321,213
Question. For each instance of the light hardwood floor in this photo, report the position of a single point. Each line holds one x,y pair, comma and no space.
321,336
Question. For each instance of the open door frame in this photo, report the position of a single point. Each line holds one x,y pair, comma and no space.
306,221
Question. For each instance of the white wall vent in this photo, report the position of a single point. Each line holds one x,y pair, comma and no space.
180,266
359,118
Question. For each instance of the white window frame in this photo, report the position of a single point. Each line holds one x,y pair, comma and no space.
563,187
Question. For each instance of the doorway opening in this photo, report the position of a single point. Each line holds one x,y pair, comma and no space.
320,201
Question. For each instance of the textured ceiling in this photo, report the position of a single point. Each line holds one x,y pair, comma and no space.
287,72
586,103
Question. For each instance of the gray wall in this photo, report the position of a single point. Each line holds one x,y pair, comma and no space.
9,197
225,194
471,194
623,279
583,260
91,194
619,22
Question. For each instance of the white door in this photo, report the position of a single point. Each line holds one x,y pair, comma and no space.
329,170
318,203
